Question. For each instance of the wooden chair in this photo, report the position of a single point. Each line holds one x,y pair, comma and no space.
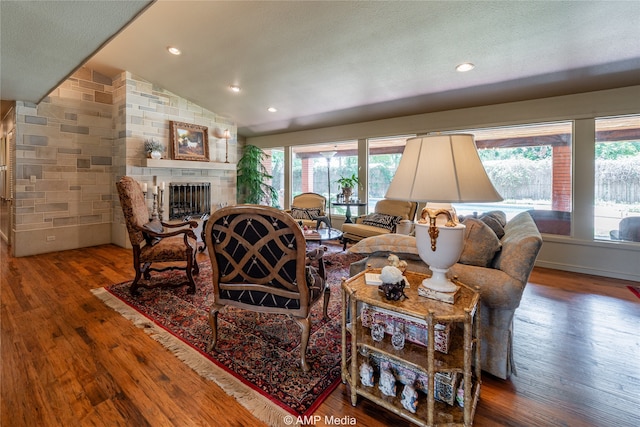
151,243
259,263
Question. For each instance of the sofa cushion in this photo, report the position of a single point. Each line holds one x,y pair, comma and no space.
305,213
480,243
380,220
361,231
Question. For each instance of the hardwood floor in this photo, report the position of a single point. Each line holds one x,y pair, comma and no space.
68,360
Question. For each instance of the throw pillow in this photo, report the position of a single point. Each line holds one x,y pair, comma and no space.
305,213
381,220
480,243
496,220
156,227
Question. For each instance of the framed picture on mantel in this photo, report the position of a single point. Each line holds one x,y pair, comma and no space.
189,142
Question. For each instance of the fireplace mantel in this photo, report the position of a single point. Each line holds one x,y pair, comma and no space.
188,164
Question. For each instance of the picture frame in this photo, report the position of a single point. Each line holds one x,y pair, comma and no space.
189,142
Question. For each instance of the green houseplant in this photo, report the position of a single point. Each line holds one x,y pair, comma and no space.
253,178
347,184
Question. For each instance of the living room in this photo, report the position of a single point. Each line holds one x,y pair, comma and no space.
68,150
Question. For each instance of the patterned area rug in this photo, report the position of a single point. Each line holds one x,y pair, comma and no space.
256,358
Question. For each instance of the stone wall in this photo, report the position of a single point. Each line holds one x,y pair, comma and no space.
145,111
72,147
63,187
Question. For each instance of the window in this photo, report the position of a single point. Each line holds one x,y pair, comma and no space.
384,158
617,179
316,168
530,166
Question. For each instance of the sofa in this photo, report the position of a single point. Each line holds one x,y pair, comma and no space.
389,216
498,257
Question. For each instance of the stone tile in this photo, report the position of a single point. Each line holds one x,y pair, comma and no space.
35,120
99,160
74,129
51,207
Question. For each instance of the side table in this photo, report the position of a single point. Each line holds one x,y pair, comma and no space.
463,352
348,205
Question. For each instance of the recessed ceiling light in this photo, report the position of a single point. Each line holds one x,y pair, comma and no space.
464,67
173,50
272,109
234,88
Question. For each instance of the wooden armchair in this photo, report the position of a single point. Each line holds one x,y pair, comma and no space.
259,263
151,243
310,209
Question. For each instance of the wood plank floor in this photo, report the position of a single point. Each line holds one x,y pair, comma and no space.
68,360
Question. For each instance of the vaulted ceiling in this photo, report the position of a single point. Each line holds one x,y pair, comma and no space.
322,63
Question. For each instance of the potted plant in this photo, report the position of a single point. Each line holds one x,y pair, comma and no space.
253,178
347,184
153,148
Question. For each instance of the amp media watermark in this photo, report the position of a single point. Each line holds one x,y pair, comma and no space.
312,420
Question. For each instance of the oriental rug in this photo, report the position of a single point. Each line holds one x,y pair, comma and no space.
256,358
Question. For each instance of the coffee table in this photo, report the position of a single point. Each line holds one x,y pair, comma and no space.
322,234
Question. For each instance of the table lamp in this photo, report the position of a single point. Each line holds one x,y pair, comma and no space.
440,170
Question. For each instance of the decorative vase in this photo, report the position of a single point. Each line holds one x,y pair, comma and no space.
347,192
377,331
156,155
366,374
397,339
410,398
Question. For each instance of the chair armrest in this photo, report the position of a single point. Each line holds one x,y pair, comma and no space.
186,231
405,226
191,224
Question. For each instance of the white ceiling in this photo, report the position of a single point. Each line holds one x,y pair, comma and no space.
329,63
42,42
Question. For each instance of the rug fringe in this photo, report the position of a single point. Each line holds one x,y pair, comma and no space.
260,407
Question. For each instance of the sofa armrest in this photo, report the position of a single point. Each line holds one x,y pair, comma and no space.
520,246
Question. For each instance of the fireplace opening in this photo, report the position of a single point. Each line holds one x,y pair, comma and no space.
189,199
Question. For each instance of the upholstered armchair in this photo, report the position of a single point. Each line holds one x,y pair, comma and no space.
155,241
390,216
259,263
310,209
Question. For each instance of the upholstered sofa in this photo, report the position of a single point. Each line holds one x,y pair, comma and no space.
389,216
506,264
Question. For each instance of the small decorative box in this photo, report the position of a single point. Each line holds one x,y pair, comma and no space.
415,331
445,385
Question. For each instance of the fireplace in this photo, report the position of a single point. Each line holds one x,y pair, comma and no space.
189,199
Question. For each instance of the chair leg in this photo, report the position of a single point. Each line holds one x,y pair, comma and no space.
327,295
306,330
134,285
191,266
344,247
213,323
196,267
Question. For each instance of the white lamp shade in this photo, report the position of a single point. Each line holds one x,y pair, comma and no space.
442,168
